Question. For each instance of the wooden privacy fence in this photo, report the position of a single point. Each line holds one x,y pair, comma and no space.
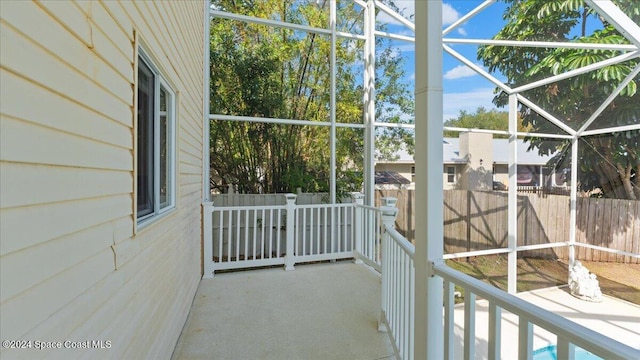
477,220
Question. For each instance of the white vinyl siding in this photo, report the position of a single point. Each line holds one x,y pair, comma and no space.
77,267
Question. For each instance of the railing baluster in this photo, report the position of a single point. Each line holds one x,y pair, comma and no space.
565,350
263,232
270,233
306,213
230,235
246,235
469,324
525,339
255,232
412,307
407,310
278,235
220,236
340,221
449,325
495,331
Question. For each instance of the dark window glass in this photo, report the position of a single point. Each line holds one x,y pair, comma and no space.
145,140
165,175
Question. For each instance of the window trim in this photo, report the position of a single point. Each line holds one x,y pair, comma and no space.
159,84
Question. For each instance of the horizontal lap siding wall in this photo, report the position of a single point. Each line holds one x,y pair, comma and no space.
71,266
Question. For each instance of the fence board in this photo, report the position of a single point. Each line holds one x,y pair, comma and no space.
478,220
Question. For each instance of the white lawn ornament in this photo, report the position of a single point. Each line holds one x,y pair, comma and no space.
583,284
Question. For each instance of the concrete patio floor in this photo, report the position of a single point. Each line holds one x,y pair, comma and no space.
319,311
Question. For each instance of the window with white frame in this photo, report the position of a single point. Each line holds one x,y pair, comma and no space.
156,143
451,174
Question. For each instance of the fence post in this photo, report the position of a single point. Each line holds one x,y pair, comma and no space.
289,259
207,238
388,213
358,224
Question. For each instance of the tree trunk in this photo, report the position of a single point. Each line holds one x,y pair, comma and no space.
625,177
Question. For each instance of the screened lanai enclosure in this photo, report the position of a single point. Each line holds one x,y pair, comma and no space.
307,96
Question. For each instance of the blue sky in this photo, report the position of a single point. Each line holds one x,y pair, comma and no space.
463,88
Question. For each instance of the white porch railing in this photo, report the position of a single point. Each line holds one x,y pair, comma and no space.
398,309
323,232
252,236
398,276
368,229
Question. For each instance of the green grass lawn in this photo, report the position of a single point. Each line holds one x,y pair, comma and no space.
618,280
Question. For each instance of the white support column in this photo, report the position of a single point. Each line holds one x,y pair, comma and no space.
332,106
369,101
207,239
428,324
289,259
573,198
357,225
512,225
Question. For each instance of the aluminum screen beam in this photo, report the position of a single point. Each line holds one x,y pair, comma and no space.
618,18
544,44
468,16
608,101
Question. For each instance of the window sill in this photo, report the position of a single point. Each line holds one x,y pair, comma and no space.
146,222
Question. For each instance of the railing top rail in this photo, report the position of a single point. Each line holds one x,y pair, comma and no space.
368,207
250,207
319,206
398,238
572,332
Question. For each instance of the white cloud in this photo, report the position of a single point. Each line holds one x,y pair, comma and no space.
449,14
458,72
469,101
462,31
408,10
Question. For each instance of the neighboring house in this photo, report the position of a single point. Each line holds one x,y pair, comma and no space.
398,173
477,161
391,180
101,139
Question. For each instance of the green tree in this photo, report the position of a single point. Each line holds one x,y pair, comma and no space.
482,119
610,162
281,73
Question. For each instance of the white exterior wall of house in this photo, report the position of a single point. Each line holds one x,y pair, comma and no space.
402,168
73,265
477,150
